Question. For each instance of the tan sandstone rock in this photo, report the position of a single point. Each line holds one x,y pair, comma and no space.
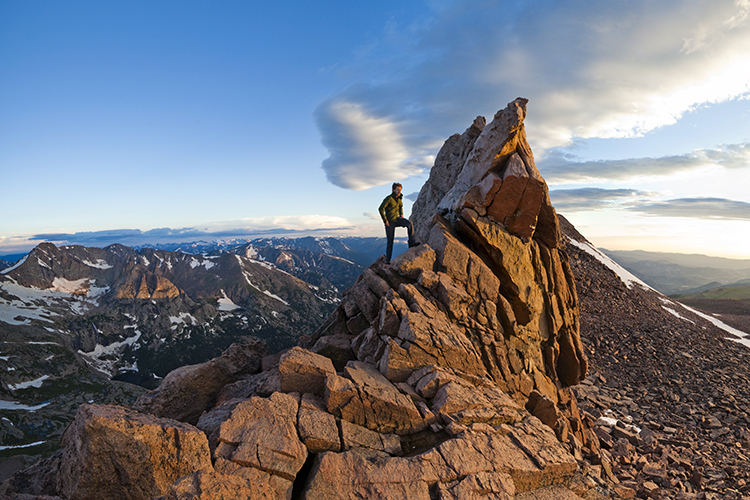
368,399
441,355
493,458
317,428
186,392
211,485
116,453
262,433
303,371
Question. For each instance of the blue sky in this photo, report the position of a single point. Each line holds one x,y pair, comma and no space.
139,122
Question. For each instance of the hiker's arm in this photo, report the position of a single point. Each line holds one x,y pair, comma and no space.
381,210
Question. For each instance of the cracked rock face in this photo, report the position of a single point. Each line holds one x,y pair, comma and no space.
420,384
113,452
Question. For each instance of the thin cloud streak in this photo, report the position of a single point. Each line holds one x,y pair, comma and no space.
557,167
696,208
590,69
227,230
590,198
646,203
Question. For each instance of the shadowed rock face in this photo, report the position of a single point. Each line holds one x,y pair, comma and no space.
436,361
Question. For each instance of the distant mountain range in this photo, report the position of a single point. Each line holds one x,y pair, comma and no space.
673,273
736,291
76,322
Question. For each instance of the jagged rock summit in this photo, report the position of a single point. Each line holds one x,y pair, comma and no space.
443,375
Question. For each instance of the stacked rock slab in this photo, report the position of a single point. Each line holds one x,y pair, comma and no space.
442,375
489,292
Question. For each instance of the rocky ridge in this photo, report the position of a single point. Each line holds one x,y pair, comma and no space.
668,392
446,374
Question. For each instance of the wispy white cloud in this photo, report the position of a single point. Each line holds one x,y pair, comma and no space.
696,208
559,167
590,69
225,230
591,198
584,200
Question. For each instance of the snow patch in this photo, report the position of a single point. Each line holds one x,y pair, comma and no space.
30,303
624,275
76,287
104,365
14,266
744,337
675,313
22,445
182,318
609,419
266,292
12,405
226,304
99,264
205,263
273,296
31,383
251,252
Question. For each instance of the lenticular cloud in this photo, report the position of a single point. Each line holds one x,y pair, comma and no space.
365,150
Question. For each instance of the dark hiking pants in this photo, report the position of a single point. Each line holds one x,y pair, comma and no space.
390,231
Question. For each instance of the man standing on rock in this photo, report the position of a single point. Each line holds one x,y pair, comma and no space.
392,213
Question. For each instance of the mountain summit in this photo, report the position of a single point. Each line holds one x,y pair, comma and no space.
445,374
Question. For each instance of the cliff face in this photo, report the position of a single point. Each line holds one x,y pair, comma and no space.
422,384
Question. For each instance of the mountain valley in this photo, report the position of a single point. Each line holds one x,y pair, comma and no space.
672,273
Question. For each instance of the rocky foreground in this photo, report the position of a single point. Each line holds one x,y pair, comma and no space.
674,375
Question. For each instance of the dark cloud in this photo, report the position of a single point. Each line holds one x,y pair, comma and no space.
696,208
413,196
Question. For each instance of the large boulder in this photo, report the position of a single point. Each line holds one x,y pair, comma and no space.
116,453
524,458
188,391
303,371
212,485
261,435
365,397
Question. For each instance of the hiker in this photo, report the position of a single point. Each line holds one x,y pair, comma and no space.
392,213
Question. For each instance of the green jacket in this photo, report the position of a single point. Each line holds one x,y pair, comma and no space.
392,208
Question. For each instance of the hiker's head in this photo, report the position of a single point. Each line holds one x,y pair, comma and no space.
396,188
